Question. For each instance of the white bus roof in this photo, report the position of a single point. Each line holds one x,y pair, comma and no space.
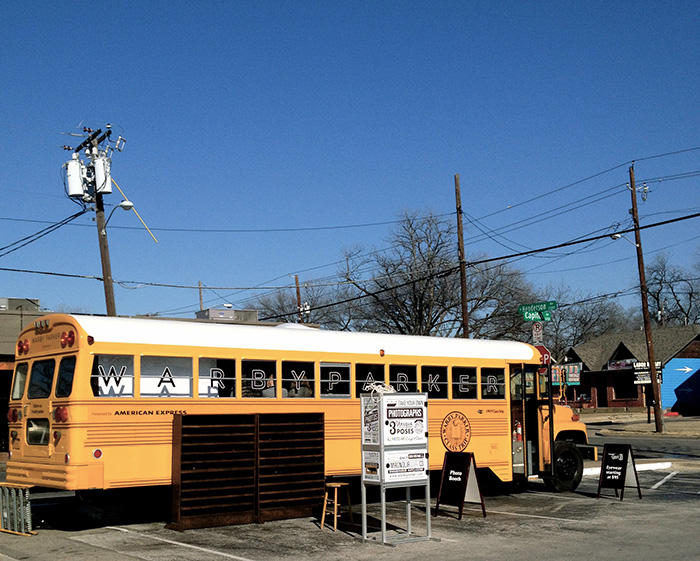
293,337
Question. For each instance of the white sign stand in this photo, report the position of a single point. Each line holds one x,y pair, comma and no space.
395,452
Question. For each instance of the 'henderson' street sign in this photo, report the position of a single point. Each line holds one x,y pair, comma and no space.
537,307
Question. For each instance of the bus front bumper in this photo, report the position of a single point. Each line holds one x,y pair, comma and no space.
66,477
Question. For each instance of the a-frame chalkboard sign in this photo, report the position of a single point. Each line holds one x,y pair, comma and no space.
459,482
617,469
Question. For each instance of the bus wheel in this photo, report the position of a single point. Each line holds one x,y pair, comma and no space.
568,467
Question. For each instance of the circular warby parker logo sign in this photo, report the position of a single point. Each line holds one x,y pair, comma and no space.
455,431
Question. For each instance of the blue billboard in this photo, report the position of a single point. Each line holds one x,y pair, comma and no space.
681,386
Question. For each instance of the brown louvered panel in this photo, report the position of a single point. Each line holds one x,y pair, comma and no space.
213,470
290,465
233,469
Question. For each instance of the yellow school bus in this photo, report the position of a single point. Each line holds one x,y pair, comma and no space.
93,398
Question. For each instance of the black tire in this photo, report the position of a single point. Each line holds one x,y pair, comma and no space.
568,467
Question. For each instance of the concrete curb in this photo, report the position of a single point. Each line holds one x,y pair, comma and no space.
632,432
595,471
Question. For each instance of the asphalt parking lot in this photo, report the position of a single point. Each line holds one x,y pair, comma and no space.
531,524
521,525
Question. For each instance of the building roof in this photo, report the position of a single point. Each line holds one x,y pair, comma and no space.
11,325
668,342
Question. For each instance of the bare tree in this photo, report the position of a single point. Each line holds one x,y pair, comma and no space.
414,288
674,295
410,289
495,291
282,305
581,317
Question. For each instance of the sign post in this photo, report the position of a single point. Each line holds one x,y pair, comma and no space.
395,452
546,360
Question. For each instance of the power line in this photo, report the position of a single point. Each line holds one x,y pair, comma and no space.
444,272
684,175
238,230
589,239
602,297
38,235
550,214
590,177
51,274
666,154
553,191
510,226
511,256
453,269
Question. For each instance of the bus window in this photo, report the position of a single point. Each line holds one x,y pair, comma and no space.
298,378
20,380
166,376
38,431
217,377
335,380
493,383
255,377
516,382
112,376
530,374
434,381
66,371
403,378
463,382
41,379
367,374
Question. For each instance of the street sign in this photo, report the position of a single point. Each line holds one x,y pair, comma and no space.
643,366
642,372
537,332
538,307
569,373
537,316
546,356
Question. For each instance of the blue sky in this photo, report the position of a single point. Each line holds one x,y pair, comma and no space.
299,116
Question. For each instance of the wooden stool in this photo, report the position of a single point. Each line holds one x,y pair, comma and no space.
327,504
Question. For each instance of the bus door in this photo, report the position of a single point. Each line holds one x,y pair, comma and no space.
5,383
525,407
538,416
37,408
517,415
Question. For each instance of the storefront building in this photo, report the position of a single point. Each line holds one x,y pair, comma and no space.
615,370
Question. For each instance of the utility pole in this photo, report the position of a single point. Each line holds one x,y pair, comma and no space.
462,263
92,145
88,185
201,298
104,255
299,308
658,418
